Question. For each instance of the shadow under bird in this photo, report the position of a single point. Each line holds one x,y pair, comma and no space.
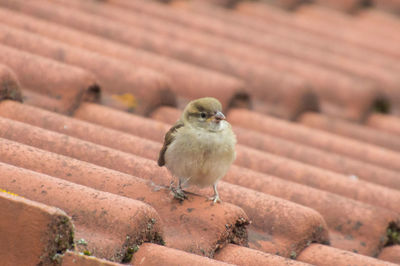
200,147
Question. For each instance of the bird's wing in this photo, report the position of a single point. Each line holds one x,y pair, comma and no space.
169,138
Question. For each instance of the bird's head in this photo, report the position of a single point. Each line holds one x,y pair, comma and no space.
205,113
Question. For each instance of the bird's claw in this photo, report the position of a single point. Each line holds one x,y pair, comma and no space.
215,199
178,194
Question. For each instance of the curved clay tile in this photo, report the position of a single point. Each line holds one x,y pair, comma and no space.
107,231
32,227
184,224
316,138
186,80
318,254
148,88
68,84
352,130
386,123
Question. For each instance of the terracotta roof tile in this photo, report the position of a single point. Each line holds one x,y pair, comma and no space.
343,5
316,138
318,190
187,80
39,230
309,175
9,85
317,157
238,176
351,130
331,85
201,219
227,191
320,27
278,235
241,26
40,100
386,123
324,255
75,259
221,52
266,162
244,256
150,254
386,78
131,80
328,17
391,254
377,17
389,5
107,231
68,84
256,75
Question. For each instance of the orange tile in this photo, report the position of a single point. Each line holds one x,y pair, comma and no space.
228,192
313,172
293,91
279,235
351,130
151,254
244,256
224,223
333,143
149,89
391,253
186,80
75,259
40,100
386,123
342,5
388,5
321,28
332,86
310,175
325,255
386,78
107,231
296,151
68,84
307,175
40,231
236,175
234,194
379,18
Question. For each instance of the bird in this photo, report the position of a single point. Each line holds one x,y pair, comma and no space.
199,148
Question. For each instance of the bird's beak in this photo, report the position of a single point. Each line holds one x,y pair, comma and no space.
219,116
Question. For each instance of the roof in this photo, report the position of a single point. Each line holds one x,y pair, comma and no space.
88,90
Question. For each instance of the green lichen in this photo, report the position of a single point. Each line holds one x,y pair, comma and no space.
293,255
129,253
87,252
393,235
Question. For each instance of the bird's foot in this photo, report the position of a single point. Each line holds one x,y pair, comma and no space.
178,194
215,199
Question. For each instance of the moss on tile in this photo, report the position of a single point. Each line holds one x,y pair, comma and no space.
393,235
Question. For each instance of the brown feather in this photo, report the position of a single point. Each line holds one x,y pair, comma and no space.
169,138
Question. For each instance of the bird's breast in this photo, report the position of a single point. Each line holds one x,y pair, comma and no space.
201,155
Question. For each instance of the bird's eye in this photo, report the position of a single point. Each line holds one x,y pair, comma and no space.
203,115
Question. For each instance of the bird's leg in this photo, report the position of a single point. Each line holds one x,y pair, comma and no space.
215,198
178,192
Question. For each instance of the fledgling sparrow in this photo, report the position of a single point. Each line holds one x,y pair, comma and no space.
200,147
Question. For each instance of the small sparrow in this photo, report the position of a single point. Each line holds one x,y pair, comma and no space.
200,147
